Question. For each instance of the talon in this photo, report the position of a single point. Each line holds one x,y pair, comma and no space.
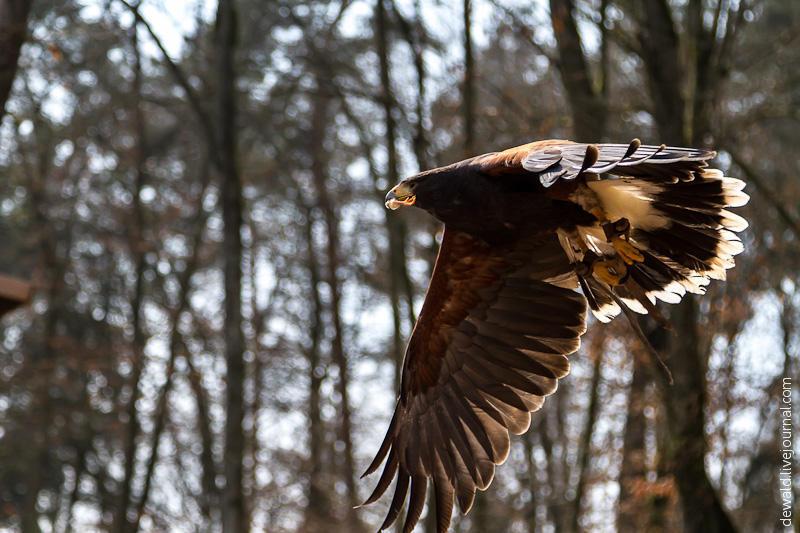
608,273
628,252
619,228
622,227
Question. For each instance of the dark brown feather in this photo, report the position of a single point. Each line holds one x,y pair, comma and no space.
489,345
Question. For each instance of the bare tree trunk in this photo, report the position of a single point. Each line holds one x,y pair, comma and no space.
587,103
137,247
13,29
637,512
319,173
158,429
556,477
222,158
684,440
258,319
416,38
233,505
210,495
469,83
585,447
532,485
44,356
175,345
661,55
399,278
318,510
80,468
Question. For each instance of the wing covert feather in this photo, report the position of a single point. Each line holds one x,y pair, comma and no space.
556,160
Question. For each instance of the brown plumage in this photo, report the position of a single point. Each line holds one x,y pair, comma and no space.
526,229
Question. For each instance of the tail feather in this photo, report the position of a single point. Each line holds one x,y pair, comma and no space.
682,228
601,302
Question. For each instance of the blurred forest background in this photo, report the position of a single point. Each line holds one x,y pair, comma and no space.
221,300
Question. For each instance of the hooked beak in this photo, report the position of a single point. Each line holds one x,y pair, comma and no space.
400,195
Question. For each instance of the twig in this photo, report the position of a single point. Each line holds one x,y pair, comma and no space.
194,101
759,183
526,32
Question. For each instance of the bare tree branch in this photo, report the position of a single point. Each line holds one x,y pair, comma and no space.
772,199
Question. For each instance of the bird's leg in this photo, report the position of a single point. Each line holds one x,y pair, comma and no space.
612,270
618,235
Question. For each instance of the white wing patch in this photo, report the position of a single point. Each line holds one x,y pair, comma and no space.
631,199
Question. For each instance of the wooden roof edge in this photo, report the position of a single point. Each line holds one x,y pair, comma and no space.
14,289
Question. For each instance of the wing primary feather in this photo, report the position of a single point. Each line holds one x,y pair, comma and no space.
514,419
632,147
471,390
413,451
473,423
590,157
444,503
438,445
419,487
497,434
465,500
506,377
385,480
462,479
385,445
460,447
400,491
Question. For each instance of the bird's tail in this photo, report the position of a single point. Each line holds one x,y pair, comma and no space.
660,240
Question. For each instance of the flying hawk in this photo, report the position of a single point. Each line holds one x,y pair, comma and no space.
533,235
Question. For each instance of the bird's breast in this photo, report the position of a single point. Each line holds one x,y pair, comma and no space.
506,216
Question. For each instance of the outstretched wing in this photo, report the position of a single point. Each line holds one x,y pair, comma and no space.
661,163
490,343
677,209
555,160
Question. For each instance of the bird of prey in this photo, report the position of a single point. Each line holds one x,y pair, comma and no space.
534,235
